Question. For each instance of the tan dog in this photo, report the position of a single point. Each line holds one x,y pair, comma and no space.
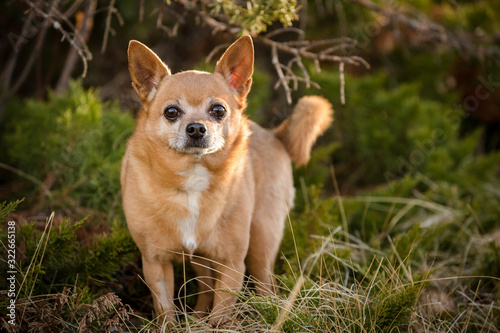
200,179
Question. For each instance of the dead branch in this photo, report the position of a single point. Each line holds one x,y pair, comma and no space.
74,38
74,7
305,53
342,83
83,33
299,48
305,49
160,12
111,10
282,80
300,33
216,50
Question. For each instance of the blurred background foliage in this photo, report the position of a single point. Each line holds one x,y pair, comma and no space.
397,211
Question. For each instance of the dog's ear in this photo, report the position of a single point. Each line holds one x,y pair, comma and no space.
146,70
236,65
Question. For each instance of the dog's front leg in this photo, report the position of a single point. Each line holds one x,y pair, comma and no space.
160,279
229,281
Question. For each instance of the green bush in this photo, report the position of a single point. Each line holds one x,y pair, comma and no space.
53,258
72,144
66,282
384,132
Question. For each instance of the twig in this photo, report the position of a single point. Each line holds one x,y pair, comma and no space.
282,80
75,39
301,79
111,8
310,44
305,73
215,51
300,33
82,34
171,32
342,83
351,60
317,51
71,10
291,75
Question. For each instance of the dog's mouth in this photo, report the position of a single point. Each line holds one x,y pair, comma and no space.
197,147
197,143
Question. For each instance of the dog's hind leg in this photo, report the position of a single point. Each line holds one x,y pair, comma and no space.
206,285
260,260
266,233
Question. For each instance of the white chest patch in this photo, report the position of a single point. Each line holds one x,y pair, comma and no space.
197,180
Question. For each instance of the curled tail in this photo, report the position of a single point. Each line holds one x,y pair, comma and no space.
310,118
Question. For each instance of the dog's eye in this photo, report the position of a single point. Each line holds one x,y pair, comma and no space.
171,113
218,111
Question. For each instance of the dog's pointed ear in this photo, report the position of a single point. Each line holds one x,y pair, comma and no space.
146,70
236,65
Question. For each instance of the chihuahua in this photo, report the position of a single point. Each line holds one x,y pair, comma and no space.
200,181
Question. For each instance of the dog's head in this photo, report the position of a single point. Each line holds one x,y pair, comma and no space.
192,112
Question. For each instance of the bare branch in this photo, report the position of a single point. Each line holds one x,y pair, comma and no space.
82,33
111,7
311,44
317,51
282,80
342,83
291,75
171,32
300,33
74,6
301,79
351,60
111,10
304,72
74,38
216,50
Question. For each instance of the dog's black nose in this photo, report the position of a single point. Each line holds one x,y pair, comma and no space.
196,130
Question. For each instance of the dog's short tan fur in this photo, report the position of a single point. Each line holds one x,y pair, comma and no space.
222,199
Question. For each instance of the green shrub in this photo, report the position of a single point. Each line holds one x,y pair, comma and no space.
73,144
54,258
60,282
